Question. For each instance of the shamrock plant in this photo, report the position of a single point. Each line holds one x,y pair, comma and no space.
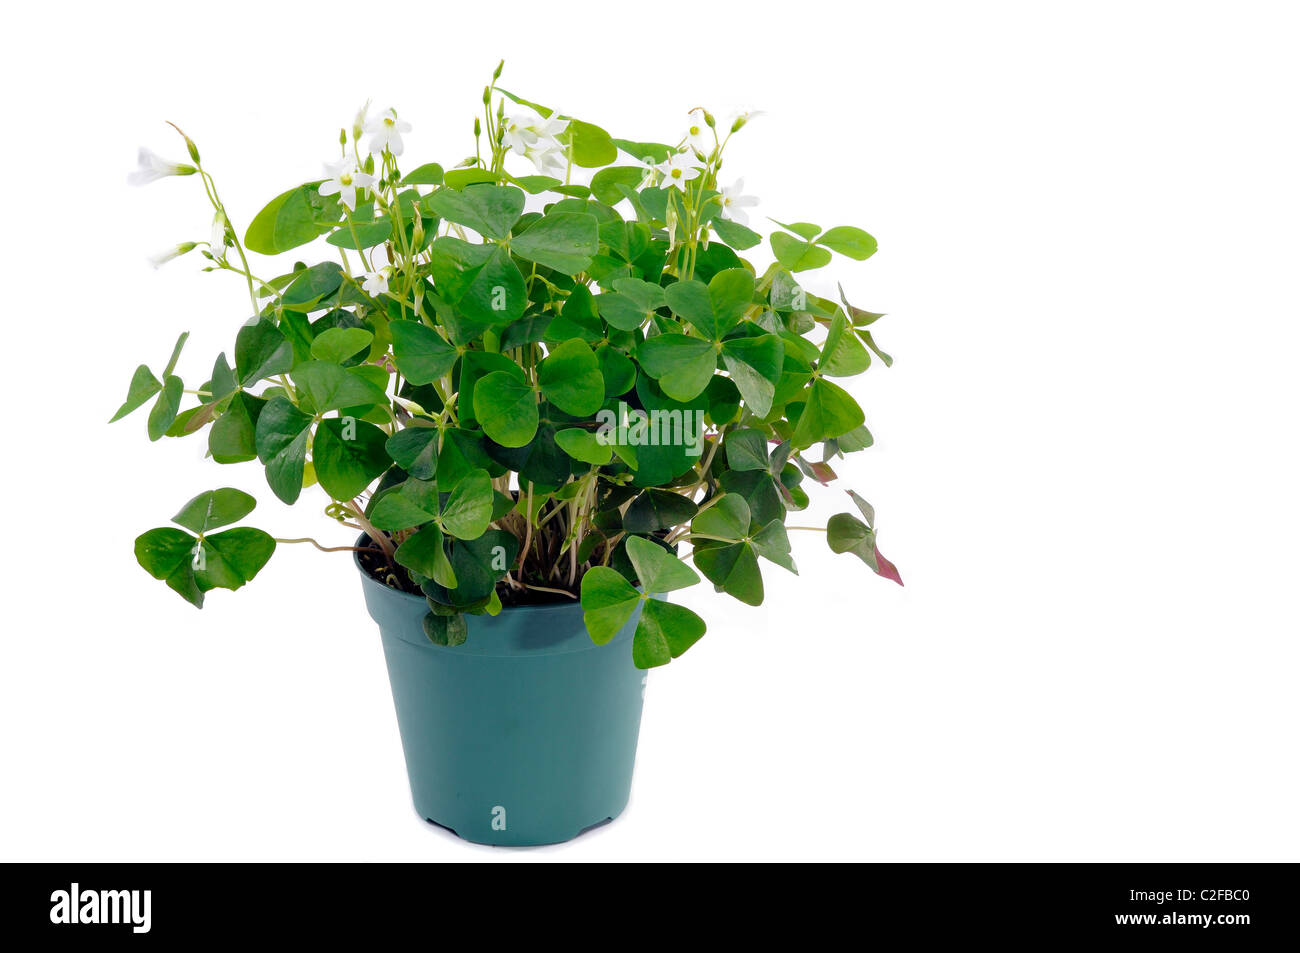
564,383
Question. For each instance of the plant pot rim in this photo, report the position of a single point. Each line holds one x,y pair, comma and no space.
368,580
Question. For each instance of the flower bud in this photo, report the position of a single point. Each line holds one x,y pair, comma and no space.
343,137
478,129
487,95
496,74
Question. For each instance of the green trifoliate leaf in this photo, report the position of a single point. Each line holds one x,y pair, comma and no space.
424,553
192,567
481,281
420,352
336,345
415,450
664,633
795,255
491,210
143,386
843,354
571,380
565,241
715,308
414,503
215,508
732,567
657,569
505,406
759,491
850,241
261,351
682,365
608,601
772,542
480,563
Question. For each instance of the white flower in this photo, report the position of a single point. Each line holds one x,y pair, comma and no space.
386,132
376,282
217,241
547,156
154,167
734,202
359,123
530,135
679,169
175,251
344,180
699,136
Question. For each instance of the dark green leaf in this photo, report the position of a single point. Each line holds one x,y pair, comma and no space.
143,386
420,352
490,210
656,510
348,454
281,440
755,365
505,406
165,407
571,380
261,351
331,387
415,450
564,241
215,508
683,365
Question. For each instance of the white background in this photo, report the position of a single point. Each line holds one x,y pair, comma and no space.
1085,464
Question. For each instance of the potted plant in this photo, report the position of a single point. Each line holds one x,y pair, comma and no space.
543,402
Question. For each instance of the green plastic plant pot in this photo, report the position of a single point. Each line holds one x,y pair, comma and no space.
525,734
